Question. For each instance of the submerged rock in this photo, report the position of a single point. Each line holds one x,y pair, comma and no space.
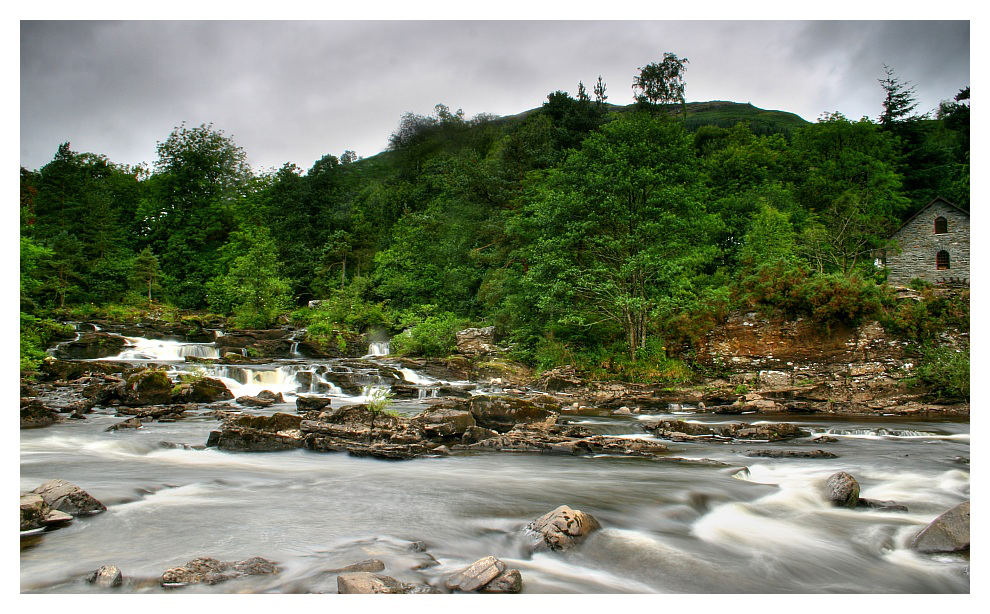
107,575
947,533
790,454
563,528
842,490
487,575
205,570
69,498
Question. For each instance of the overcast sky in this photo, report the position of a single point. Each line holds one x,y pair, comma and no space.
294,91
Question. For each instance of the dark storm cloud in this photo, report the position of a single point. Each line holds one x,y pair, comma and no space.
293,91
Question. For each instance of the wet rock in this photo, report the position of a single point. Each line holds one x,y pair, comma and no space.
371,565
475,434
202,390
824,439
146,387
107,576
790,454
441,451
35,414
205,570
34,510
69,498
558,379
476,575
476,341
501,413
71,369
563,528
365,583
130,423
255,401
246,433
679,430
947,533
92,345
881,506
509,581
603,444
842,490
304,404
442,422
268,395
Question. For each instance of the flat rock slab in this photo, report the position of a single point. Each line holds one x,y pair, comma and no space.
365,583
370,565
563,527
69,498
476,575
205,570
947,533
790,454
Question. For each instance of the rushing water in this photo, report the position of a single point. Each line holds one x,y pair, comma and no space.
667,527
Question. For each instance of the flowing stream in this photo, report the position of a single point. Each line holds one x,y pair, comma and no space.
667,527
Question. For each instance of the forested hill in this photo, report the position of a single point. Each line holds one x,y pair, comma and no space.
575,227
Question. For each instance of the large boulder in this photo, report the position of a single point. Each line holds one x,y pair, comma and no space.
366,583
56,369
501,413
947,533
842,490
562,528
106,576
92,345
35,414
146,387
205,570
258,433
304,404
487,575
69,498
476,341
202,390
441,422
36,513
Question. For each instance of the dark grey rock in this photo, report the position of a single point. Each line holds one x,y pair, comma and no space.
842,490
947,533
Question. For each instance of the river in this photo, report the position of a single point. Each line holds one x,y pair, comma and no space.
667,527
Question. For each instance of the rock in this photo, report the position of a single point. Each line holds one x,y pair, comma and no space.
558,379
248,433
69,498
92,345
364,583
442,422
947,533
882,506
311,403
130,423
205,570
202,390
475,434
34,510
256,401
509,581
107,575
476,341
824,439
370,565
35,414
71,369
501,413
441,451
790,454
563,527
146,387
476,575
679,429
268,395
842,490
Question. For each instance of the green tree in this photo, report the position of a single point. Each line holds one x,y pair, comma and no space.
250,286
146,270
899,98
617,233
600,96
770,238
661,82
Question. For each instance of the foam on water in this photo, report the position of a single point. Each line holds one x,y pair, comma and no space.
416,378
140,348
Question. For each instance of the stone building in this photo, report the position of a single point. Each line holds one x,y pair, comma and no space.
933,245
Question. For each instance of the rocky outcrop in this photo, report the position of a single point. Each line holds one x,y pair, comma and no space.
842,490
264,398
130,423
268,342
304,404
35,414
206,570
947,533
146,387
92,345
36,513
562,528
679,430
501,413
69,498
54,369
201,390
258,433
486,575
441,422
106,576
476,341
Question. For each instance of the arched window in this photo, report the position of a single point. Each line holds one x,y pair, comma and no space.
941,226
942,260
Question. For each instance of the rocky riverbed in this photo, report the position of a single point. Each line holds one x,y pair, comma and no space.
266,474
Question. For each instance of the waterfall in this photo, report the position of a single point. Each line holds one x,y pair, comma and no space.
295,348
416,378
378,348
140,348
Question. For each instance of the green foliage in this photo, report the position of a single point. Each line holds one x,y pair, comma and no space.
37,334
923,320
434,336
945,371
661,82
251,287
379,400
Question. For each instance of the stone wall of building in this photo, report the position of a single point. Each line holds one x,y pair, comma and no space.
918,244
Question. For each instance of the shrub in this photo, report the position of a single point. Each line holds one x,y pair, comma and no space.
945,371
37,334
434,336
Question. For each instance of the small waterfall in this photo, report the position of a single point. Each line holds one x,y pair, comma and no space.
416,378
378,348
294,350
160,349
244,352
